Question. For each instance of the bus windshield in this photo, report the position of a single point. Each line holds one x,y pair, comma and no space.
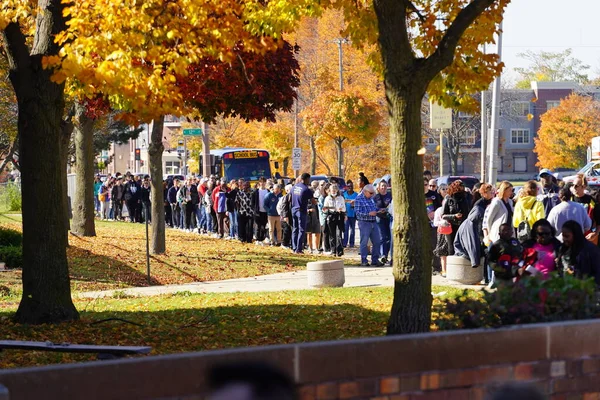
248,168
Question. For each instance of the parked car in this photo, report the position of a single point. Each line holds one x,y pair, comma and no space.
468,180
341,181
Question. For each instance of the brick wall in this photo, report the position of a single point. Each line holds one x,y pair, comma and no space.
562,359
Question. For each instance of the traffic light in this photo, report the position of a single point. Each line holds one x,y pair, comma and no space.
138,155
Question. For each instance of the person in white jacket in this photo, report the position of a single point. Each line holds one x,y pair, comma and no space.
500,211
334,208
568,210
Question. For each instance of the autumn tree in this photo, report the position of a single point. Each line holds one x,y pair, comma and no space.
566,132
552,67
342,117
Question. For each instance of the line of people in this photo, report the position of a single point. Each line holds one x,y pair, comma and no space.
543,229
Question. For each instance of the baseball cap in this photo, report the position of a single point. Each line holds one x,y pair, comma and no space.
544,171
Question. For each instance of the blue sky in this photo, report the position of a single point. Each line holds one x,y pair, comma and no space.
552,25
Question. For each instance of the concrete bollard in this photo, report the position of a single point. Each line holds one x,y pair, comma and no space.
459,269
328,273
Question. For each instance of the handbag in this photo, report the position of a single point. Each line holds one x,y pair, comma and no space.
445,229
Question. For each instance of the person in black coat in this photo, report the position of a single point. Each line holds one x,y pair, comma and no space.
456,208
145,199
172,200
578,256
131,195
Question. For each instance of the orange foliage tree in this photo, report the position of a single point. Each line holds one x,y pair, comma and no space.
341,117
566,132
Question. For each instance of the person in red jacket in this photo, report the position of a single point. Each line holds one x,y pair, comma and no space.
220,206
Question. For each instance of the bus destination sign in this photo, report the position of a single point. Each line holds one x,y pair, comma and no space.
246,154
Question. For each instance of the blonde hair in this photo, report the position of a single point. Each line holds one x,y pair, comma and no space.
504,186
529,189
583,179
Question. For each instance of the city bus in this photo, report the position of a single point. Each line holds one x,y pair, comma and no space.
236,163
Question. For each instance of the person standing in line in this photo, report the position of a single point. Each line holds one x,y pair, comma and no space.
301,197
260,213
271,201
220,206
116,197
580,184
362,181
528,209
325,242
175,209
245,213
568,210
104,199
549,193
500,211
145,199
382,200
335,208
455,210
97,186
231,209
184,197
286,218
366,214
131,195
578,256
350,220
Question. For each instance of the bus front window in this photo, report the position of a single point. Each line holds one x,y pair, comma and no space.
247,168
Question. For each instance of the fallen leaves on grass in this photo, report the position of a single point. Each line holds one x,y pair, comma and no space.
195,322
116,258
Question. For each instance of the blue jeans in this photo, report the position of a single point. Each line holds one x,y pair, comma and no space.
96,203
386,235
298,236
349,232
233,223
200,217
369,230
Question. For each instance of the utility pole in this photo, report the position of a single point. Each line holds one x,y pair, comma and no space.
484,132
206,161
339,42
493,138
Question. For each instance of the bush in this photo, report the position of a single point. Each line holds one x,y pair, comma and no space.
530,300
10,237
13,197
12,256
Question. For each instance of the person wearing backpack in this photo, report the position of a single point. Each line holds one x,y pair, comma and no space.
528,211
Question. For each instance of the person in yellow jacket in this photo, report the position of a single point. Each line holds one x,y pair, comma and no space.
528,207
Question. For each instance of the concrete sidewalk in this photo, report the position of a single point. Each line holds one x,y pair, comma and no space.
355,277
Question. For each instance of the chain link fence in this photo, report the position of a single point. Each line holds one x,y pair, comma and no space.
10,197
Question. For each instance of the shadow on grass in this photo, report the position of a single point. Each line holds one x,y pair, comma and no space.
187,329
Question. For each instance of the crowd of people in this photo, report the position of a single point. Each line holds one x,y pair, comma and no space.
546,227
314,217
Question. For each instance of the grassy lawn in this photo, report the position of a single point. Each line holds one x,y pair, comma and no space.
194,322
116,258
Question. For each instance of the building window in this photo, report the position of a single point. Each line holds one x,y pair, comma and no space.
552,104
430,140
520,164
519,108
519,136
172,167
462,114
460,165
469,137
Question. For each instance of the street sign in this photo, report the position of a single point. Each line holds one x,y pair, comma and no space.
192,132
296,158
439,117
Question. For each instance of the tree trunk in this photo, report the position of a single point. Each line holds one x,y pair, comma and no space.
313,155
286,165
83,204
340,154
155,152
46,287
411,309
